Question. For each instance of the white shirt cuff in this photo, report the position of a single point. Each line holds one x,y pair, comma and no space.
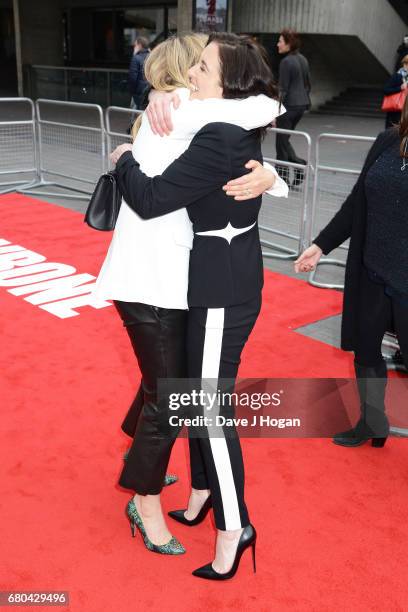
279,189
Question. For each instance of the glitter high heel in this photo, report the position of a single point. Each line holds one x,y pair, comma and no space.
173,546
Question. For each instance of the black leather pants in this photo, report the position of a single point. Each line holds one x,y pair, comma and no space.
158,337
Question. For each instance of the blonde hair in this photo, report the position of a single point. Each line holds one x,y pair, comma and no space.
167,65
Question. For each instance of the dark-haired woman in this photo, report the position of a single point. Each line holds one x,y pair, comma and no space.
375,218
294,87
225,276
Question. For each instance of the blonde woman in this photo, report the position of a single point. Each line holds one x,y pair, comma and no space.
146,274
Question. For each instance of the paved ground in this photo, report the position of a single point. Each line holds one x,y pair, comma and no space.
283,215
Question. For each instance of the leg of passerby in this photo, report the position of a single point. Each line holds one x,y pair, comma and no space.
296,115
284,148
374,319
400,317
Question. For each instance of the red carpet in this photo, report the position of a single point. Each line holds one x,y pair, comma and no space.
331,521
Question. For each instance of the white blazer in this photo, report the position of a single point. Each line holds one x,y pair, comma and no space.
147,260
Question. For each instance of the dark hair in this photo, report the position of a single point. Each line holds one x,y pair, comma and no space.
291,38
245,68
142,41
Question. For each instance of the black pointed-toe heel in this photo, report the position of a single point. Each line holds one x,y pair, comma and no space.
247,539
178,515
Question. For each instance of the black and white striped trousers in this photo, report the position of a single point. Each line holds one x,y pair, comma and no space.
215,340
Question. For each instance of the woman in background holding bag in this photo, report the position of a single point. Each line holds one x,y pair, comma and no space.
398,83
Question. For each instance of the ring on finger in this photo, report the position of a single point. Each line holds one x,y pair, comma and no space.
247,192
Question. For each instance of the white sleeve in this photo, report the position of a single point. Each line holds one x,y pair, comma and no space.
253,112
248,113
279,189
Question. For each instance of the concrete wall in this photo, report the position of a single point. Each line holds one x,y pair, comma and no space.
375,22
333,68
184,16
347,42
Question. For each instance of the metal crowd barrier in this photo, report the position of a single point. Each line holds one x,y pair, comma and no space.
68,140
19,161
332,184
285,219
72,146
118,123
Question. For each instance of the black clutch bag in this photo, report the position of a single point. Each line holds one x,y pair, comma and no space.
103,209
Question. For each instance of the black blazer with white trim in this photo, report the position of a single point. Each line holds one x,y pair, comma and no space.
225,269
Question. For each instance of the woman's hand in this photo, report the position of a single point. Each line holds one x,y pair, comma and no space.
114,156
158,111
308,259
404,86
250,185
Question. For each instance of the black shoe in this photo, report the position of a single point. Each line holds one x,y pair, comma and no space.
283,172
353,438
178,515
247,539
373,423
299,178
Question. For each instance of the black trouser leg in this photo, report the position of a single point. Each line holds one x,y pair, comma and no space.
284,149
378,313
215,339
158,340
371,383
374,318
400,317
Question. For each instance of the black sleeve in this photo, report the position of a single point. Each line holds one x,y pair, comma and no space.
393,85
338,230
204,168
134,74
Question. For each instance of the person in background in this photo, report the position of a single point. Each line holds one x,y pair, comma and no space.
375,218
136,79
398,82
294,86
401,52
